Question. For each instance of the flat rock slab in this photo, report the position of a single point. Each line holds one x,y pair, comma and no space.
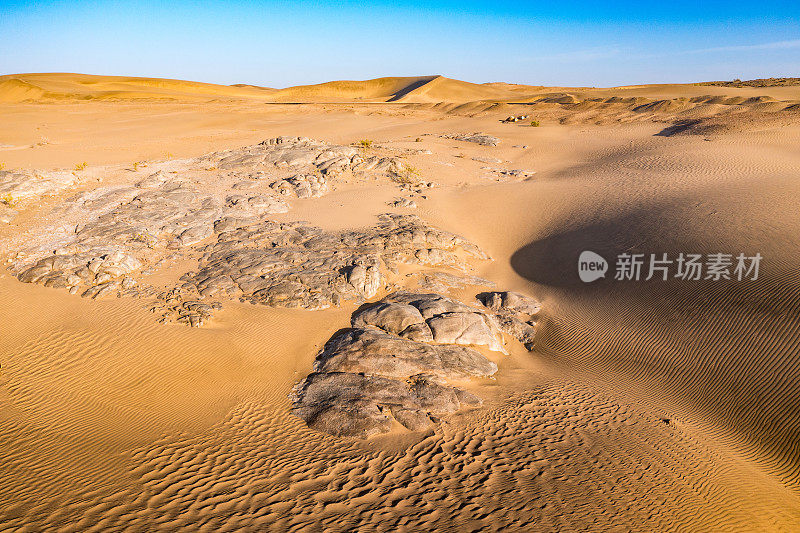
304,154
297,266
478,138
19,186
216,207
374,352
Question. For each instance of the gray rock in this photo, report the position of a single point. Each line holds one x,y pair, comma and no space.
432,318
514,313
404,202
376,353
384,368
510,301
353,405
478,138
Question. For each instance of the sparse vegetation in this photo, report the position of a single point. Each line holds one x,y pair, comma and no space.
81,166
535,123
8,200
408,175
418,140
365,143
137,164
2,166
760,82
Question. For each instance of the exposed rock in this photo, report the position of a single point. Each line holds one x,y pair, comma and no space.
432,318
102,272
510,301
404,202
514,313
373,352
479,138
18,186
302,186
492,160
198,210
389,365
297,266
513,173
354,405
301,153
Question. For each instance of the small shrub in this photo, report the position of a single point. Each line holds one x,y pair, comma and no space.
408,175
8,200
535,123
81,166
365,143
2,166
418,140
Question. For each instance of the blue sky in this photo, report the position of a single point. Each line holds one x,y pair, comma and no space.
285,43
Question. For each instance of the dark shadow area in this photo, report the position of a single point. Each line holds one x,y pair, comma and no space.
683,126
723,347
411,87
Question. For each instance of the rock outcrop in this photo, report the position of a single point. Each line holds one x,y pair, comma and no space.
478,138
298,266
217,207
19,186
395,362
515,314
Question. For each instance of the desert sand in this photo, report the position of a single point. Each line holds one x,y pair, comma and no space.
344,251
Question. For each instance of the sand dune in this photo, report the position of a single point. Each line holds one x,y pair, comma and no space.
688,106
63,86
643,406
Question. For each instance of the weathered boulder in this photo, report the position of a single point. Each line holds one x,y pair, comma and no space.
388,365
449,321
510,301
514,313
373,352
354,405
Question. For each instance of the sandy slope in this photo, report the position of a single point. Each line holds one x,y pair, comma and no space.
65,86
109,420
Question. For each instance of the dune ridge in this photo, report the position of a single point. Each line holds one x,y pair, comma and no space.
700,109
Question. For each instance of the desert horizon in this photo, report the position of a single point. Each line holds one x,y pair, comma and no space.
399,303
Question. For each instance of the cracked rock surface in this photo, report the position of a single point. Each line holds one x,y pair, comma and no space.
216,212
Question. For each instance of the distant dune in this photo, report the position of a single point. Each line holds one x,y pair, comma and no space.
424,89
692,108
66,86
48,87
